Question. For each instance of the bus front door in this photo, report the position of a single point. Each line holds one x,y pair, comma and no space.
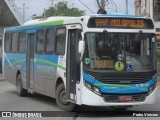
30,60
73,64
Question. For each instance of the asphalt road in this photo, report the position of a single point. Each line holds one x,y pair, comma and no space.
9,101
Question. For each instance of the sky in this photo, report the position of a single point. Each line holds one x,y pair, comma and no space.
37,6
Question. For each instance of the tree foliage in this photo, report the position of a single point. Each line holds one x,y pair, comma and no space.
62,9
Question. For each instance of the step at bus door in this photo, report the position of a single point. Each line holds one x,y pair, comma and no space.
30,60
73,64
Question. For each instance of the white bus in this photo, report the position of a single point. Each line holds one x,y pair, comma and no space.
98,60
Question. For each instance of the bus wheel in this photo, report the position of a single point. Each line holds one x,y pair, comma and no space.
61,99
21,92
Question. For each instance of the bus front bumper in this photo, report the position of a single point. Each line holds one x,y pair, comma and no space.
90,98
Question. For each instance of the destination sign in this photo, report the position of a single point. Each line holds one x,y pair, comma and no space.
100,64
120,23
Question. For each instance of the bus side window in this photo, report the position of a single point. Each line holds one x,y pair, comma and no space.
60,41
50,41
40,41
14,42
7,42
22,42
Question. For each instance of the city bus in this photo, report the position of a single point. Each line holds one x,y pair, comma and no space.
97,60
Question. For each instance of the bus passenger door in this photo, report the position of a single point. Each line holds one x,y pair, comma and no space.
30,60
73,63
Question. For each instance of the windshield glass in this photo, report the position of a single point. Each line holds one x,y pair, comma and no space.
117,52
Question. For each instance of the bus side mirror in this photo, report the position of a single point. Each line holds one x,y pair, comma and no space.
81,46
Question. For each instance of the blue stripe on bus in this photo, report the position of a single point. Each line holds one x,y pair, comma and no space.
20,59
88,78
120,88
121,15
18,28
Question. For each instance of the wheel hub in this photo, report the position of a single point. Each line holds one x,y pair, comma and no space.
63,98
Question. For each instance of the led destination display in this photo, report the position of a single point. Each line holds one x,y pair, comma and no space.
120,23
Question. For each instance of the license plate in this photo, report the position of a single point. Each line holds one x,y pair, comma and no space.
125,98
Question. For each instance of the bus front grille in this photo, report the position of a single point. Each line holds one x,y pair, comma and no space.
125,79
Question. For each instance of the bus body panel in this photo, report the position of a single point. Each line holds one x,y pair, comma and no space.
45,73
13,63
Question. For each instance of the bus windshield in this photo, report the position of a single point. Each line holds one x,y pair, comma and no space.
119,52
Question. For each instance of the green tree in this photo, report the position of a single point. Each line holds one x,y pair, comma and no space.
62,9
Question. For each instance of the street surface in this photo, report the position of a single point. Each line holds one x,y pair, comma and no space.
9,101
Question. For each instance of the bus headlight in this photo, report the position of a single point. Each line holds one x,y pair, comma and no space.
96,89
92,88
88,85
152,88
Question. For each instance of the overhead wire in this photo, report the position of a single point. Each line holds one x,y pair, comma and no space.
86,6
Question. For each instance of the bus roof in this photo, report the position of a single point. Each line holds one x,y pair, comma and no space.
49,20
60,20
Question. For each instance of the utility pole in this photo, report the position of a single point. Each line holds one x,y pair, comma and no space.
44,16
51,3
101,5
151,8
127,7
24,8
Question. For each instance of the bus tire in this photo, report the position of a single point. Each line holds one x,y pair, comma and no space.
61,99
20,90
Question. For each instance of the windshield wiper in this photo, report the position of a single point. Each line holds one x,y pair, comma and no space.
139,35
